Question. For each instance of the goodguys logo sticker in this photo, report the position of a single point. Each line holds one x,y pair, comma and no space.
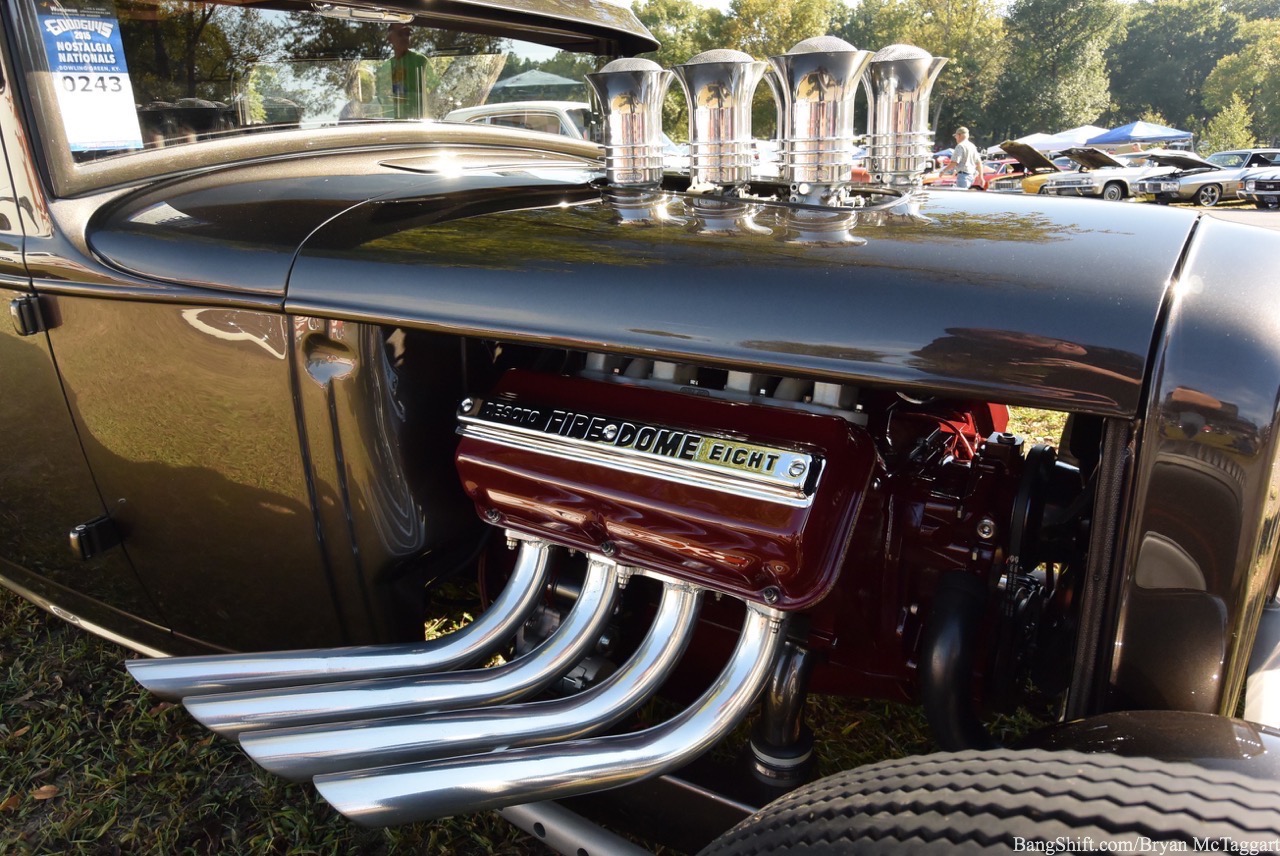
86,60
780,466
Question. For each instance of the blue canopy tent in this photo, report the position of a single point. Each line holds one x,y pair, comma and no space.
1139,132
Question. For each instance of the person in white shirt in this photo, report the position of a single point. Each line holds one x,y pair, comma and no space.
965,161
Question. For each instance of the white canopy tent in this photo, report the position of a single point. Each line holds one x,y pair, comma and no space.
1067,139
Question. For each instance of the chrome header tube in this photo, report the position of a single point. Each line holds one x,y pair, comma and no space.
899,80
231,714
630,92
718,88
410,792
815,84
300,753
181,677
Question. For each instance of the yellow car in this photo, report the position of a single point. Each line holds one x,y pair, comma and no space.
1036,169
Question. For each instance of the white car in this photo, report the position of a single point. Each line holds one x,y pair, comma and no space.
1110,177
563,118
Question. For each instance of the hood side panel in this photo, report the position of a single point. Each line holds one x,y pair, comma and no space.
1026,301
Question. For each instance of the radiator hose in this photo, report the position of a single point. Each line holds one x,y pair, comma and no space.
946,664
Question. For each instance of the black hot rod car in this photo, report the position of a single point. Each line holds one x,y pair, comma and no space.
288,353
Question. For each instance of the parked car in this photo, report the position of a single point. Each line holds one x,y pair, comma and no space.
1109,177
1034,169
990,171
275,394
1206,181
566,118
1261,187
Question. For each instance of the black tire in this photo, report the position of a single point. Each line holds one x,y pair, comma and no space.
1209,195
1265,204
959,802
1114,191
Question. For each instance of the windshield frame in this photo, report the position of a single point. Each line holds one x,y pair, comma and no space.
69,178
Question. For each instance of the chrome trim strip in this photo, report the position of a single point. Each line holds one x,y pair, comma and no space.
409,792
301,753
182,677
84,624
629,461
232,714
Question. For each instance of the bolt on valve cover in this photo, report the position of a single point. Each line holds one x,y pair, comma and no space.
753,500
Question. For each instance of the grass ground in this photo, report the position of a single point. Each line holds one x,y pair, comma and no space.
90,763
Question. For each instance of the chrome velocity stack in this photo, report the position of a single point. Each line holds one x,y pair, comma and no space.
815,84
718,88
899,80
630,92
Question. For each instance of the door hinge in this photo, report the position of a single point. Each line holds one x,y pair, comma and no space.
95,537
27,314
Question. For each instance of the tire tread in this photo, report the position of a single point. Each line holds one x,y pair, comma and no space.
982,801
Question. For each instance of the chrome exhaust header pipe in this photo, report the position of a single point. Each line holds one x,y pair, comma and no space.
181,677
300,753
899,80
231,714
410,792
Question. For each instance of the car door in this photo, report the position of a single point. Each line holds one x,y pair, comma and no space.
46,488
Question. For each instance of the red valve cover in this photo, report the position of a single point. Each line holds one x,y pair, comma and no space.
755,500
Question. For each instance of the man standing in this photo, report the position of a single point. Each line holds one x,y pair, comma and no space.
965,162
401,79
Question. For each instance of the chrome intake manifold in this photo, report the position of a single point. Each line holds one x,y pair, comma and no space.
397,733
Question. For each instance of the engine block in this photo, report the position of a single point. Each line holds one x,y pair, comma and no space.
754,501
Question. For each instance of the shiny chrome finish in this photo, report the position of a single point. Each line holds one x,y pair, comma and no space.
630,92
899,79
231,714
771,484
1262,685
184,677
300,753
718,87
409,792
815,84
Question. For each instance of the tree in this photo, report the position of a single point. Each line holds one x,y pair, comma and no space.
872,24
1056,75
1229,129
1166,55
1253,74
1255,10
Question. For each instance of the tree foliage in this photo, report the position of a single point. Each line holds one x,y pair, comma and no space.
1056,75
1231,128
1251,74
1168,51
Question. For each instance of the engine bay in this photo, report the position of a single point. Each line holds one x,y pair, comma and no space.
877,518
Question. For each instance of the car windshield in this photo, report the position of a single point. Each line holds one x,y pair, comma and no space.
1229,159
134,75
